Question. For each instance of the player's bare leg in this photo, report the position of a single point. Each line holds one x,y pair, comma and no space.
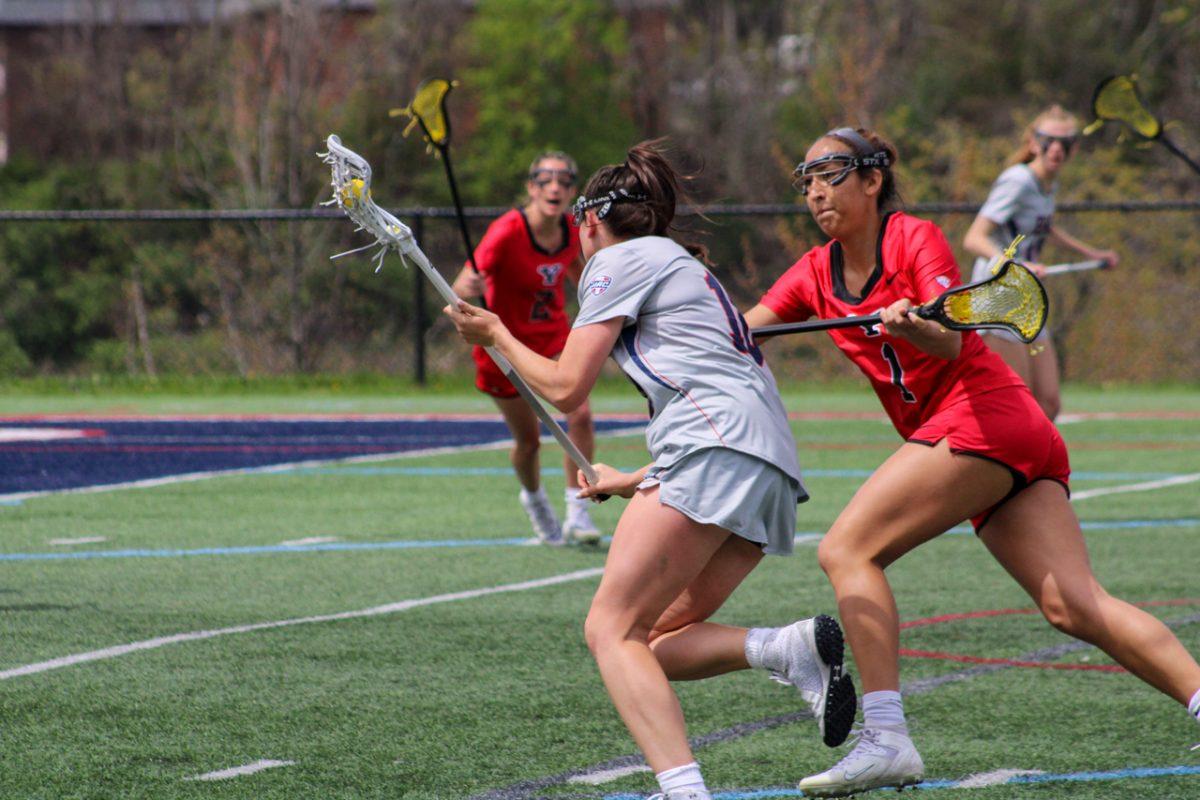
1036,537
577,523
1044,376
526,462
656,553
914,496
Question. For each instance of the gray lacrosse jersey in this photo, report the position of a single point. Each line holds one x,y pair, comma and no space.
1018,205
689,351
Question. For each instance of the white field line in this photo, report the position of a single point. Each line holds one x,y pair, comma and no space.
391,608
309,540
80,540
982,780
1178,480
245,769
224,473
604,776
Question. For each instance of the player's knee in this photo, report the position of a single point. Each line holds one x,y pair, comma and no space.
1078,617
580,418
525,446
1051,404
603,630
834,556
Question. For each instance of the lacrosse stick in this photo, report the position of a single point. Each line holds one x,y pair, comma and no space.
1076,266
428,109
1012,299
1117,98
352,193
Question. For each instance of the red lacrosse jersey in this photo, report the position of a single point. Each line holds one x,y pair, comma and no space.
524,282
913,260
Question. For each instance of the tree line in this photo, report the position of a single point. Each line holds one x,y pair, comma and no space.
229,115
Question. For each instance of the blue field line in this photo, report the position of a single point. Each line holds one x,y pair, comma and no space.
1064,777
408,544
455,472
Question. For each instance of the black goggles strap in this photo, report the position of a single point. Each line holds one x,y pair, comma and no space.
865,154
604,202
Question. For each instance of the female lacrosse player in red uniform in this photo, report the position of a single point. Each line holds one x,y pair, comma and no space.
977,447
1021,201
522,261
722,489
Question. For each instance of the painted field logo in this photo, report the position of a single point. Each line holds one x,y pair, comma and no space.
599,285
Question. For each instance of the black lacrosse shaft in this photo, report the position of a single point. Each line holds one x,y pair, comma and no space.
768,331
1174,148
462,218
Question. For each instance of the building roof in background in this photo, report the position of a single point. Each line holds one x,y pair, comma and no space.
39,13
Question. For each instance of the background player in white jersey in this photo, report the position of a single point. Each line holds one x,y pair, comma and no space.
1021,201
723,486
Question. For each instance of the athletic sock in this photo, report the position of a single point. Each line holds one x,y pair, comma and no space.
884,710
757,640
538,493
573,500
1194,705
679,779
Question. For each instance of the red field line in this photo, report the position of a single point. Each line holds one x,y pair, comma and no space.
1008,662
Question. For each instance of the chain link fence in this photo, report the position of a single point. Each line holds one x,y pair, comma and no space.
253,292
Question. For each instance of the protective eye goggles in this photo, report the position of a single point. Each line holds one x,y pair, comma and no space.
603,202
542,177
1045,141
833,169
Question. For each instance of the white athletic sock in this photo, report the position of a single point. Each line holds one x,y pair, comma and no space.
539,493
572,498
682,778
1194,705
884,710
756,643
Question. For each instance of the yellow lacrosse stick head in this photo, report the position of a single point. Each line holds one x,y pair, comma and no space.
1013,299
428,109
1117,98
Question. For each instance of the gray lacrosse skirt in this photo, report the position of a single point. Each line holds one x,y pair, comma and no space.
742,494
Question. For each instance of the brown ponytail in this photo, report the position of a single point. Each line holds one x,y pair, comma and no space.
646,174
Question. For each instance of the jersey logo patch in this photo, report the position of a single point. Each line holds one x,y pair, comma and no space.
942,281
600,285
550,273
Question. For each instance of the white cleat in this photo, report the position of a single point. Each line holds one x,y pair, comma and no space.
579,528
546,527
681,794
880,759
812,651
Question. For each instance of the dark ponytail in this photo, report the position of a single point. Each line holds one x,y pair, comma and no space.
645,174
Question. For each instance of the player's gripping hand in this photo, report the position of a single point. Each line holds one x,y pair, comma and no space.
609,481
474,324
899,320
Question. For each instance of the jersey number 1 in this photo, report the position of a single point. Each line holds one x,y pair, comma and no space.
889,355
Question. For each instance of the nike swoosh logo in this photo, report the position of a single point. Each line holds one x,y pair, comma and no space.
850,776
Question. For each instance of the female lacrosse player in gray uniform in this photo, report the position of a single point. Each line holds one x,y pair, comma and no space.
1021,202
723,486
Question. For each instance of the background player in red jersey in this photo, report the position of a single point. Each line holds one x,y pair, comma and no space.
522,260
977,446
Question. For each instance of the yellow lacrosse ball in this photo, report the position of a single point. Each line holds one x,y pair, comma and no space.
352,191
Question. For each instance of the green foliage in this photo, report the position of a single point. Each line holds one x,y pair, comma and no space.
545,74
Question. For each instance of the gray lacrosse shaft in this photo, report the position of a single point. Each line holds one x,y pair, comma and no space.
509,371
1077,266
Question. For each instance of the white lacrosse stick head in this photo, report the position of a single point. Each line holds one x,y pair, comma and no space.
351,183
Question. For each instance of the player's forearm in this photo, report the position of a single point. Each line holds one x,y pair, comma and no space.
978,240
937,341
